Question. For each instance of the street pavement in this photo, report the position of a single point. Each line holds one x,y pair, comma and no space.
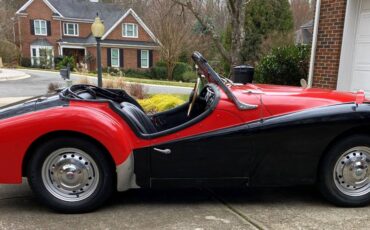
39,81
194,209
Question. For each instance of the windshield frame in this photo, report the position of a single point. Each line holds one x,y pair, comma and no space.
213,77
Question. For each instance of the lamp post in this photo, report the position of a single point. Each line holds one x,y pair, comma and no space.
97,29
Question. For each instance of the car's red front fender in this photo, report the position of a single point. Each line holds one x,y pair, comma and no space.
18,133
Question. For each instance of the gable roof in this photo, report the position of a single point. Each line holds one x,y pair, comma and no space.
111,14
137,18
28,3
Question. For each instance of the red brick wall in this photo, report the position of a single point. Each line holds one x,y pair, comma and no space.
329,43
116,34
130,58
38,10
84,29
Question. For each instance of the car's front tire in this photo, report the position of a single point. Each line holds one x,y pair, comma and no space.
344,175
71,175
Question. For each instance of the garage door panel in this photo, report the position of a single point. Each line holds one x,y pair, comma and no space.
361,60
361,81
365,5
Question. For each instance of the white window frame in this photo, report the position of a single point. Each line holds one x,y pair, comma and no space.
147,59
118,57
36,59
135,30
76,29
39,22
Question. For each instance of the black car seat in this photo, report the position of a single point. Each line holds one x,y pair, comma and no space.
138,118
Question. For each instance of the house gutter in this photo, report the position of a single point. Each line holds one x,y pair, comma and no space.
314,43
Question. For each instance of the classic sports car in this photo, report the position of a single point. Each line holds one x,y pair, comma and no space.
78,146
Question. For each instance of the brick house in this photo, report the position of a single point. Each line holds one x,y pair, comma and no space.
50,28
342,59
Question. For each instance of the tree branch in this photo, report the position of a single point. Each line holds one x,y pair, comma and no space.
215,37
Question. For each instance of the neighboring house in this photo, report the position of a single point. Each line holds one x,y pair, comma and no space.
304,34
50,28
342,58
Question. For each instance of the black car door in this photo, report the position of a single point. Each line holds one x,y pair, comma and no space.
218,158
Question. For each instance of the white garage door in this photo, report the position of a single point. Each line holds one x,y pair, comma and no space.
361,61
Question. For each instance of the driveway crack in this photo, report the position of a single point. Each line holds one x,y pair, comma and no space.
254,223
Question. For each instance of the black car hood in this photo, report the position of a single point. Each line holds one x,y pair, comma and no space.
31,105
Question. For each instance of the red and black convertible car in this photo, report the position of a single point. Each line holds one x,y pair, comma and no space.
80,145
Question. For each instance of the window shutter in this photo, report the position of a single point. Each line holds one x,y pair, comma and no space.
121,58
32,26
150,58
48,26
109,60
138,58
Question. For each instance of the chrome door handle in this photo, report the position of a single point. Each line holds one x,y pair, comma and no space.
164,151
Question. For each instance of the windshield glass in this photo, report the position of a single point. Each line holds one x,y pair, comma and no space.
207,72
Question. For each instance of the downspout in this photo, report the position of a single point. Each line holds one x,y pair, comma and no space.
314,43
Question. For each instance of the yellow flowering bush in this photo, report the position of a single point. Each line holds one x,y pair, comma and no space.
160,102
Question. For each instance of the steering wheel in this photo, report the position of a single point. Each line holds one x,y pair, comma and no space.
195,95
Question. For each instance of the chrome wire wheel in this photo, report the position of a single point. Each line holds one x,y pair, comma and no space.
351,172
70,174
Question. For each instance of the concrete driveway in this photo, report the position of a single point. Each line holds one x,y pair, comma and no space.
196,209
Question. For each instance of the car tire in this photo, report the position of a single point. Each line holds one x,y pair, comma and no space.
71,175
343,177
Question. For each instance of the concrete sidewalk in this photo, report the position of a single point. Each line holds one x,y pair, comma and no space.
11,74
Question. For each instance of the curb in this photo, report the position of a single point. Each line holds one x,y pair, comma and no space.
15,78
8,100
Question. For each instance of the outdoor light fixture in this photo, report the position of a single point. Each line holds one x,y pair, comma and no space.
98,29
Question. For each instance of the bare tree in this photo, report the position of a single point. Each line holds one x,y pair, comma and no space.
302,12
236,10
173,32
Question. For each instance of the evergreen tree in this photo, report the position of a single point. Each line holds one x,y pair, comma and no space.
264,18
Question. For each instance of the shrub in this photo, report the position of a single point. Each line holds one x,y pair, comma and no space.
179,70
53,87
57,60
159,72
136,90
160,102
9,52
137,73
284,66
65,61
189,76
25,62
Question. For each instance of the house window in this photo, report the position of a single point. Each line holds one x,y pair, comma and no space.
40,27
42,56
71,29
115,58
129,30
145,59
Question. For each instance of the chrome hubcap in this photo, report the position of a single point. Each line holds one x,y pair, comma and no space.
70,174
352,174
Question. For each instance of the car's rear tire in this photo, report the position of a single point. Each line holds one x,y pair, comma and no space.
344,175
71,175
